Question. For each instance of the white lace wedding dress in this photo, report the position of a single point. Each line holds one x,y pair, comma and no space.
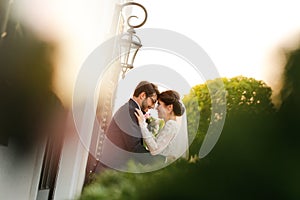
171,141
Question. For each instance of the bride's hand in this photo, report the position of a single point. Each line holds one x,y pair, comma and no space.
139,115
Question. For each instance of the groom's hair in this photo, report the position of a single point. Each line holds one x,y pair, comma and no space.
147,87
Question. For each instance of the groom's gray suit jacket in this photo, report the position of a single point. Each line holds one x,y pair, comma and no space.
123,141
124,130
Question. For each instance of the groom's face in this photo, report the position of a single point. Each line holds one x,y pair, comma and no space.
148,103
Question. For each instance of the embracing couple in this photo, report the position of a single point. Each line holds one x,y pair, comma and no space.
127,132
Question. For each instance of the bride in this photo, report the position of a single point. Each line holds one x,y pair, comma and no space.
172,139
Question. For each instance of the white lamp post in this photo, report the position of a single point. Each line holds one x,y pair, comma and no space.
130,43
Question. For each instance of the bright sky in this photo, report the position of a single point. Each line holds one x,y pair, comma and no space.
239,36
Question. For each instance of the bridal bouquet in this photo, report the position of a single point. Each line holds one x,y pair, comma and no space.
153,124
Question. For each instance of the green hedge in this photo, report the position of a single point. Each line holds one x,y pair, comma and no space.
115,185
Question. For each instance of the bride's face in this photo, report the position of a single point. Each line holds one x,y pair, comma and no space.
162,110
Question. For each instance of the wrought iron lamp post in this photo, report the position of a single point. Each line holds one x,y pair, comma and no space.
130,43
128,46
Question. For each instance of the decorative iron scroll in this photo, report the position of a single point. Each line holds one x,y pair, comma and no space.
133,16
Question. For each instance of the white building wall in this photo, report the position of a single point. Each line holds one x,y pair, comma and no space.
74,156
19,176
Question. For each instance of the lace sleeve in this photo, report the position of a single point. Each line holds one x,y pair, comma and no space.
161,141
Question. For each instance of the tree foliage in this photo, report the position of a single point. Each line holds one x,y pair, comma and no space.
243,95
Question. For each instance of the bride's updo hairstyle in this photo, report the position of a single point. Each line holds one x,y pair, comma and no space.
172,97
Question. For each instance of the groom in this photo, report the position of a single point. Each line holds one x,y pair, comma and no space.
123,137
